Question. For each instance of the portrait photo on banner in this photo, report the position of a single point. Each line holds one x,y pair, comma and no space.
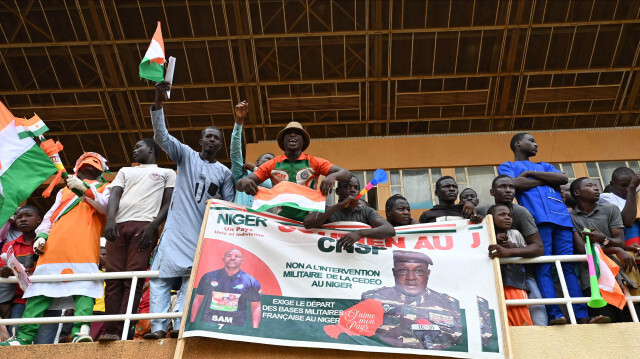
264,278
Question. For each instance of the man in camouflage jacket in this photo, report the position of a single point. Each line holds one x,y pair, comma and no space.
415,316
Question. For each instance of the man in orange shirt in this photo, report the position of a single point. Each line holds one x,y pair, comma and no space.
295,166
68,242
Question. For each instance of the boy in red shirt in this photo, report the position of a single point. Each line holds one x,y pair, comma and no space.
27,219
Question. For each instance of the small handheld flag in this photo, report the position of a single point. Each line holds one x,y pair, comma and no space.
152,65
32,127
379,176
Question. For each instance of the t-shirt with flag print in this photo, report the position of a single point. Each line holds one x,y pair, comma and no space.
303,171
226,297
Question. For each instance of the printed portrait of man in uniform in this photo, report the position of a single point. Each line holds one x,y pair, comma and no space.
415,316
222,295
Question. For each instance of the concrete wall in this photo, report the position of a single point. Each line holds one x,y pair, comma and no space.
450,151
618,341
466,150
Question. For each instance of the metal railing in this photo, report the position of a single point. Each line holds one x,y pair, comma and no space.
134,276
127,317
566,299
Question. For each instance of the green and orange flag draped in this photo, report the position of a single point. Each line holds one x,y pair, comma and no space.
23,164
289,194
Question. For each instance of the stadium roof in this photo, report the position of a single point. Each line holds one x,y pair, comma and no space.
342,68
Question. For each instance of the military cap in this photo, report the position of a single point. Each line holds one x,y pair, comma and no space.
411,257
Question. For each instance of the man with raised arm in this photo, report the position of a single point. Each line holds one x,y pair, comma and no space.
240,169
200,177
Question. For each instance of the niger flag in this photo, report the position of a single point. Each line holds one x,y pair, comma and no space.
289,194
32,127
23,165
152,65
609,287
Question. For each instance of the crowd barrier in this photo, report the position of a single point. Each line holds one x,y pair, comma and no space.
566,299
127,317
134,276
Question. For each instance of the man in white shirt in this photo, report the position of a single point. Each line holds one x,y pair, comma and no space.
139,203
624,184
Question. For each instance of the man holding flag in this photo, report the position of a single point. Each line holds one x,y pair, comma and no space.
295,166
200,177
605,224
68,242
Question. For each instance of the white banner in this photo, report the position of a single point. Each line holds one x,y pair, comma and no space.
264,278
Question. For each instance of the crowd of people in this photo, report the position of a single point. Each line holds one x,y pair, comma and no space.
551,217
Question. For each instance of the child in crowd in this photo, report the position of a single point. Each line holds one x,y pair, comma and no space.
503,191
8,232
511,244
27,219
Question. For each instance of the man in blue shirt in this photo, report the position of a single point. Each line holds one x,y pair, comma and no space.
225,293
537,189
239,169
